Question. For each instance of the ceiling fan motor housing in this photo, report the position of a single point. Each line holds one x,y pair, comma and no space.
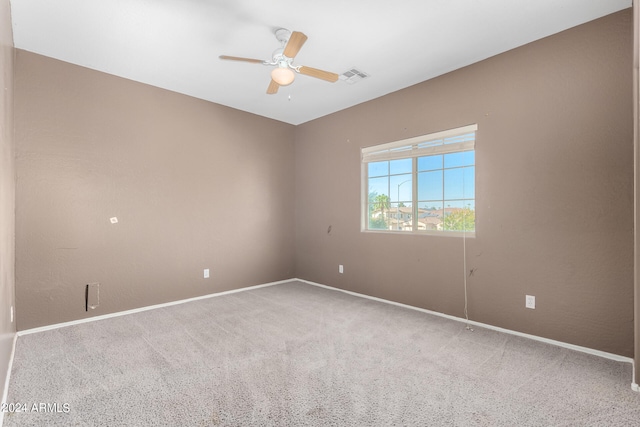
283,35
282,61
278,55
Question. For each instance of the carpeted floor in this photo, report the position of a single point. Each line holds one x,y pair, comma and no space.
299,355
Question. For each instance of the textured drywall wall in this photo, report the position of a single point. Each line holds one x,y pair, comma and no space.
554,197
7,192
193,185
636,141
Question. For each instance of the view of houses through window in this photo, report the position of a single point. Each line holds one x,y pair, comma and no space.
412,192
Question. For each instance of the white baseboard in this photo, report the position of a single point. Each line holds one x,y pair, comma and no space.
594,352
141,309
5,392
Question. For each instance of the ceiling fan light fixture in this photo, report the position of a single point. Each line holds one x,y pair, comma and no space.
282,59
283,76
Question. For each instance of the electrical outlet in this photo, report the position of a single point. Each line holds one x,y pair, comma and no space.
11,314
206,273
340,269
530,301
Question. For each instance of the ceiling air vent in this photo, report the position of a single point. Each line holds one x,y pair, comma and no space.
353,76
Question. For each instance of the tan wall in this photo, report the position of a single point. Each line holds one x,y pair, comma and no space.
194,185
636,142
7,191
554,191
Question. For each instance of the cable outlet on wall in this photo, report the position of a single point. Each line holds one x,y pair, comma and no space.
530,301
340,269
92,296
206,273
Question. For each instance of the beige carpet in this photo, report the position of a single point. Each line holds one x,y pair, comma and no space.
298,355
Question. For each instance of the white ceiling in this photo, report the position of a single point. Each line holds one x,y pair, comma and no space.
175,44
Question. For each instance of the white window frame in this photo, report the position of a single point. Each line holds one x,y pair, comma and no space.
419,146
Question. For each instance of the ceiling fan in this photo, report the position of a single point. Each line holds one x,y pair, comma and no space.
284,74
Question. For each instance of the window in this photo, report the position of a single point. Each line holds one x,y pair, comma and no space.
421,185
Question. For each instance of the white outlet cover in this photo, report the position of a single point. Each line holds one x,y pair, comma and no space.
530,301
11,314
340,269
206,273
113,220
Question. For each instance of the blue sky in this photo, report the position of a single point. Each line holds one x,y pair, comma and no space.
442,177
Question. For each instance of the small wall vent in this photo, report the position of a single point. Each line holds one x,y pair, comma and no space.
353,76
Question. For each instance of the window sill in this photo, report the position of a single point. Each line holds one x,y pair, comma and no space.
464,234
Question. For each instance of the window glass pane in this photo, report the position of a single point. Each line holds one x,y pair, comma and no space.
433,208
453,205
430,162
378,168
379,186
400,216
379,206
458,216
377,221
401,188
430,185
453,183
400,166
469,184
453,159
464,158
430,216
469,158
